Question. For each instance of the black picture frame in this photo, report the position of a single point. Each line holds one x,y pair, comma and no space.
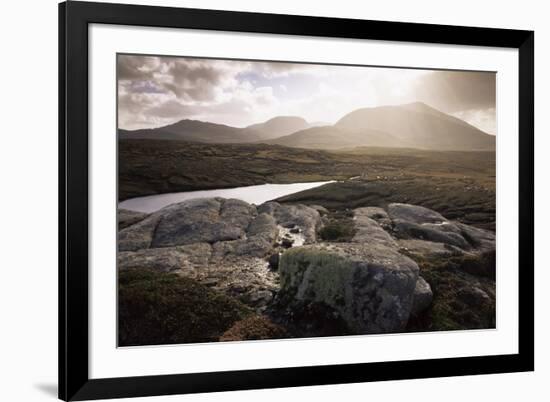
74,19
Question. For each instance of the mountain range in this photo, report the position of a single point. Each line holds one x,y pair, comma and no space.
413,125
201,131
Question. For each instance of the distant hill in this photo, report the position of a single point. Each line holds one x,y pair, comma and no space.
194,131
414,125
279,126
332,137
201,131
420,126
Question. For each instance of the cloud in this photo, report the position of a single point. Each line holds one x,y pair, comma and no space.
277,69
155,91
170,109
454,91
484,119
188,79
136,67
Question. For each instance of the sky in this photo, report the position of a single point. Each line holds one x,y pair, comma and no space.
157,91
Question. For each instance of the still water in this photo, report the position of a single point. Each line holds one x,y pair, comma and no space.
251,194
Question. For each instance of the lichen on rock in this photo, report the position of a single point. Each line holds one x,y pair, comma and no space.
371,287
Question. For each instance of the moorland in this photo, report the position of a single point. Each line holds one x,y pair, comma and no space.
458,184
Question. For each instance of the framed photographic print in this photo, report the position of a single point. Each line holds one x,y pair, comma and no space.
258,200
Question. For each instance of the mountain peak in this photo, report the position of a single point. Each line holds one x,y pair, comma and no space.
420,125
420,107
417,104
415,125
286,118
279,126
192,122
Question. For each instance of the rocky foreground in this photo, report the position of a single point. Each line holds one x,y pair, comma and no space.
222,269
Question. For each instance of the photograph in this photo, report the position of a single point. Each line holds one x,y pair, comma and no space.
275,199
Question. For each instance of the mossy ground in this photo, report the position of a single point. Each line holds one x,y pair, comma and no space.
450,309
254,327
308,320
158,308
337,226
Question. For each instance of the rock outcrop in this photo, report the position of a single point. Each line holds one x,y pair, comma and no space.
271,255
415,222
127,218
168,259
371,287
307,219
222,243
422,296
428,249
370,231
369,281
139,235
413,214
203,220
